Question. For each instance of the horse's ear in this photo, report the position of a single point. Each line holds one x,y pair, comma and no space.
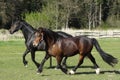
40,29
42,33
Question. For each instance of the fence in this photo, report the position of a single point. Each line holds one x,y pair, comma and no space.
90,33
95,33
5,36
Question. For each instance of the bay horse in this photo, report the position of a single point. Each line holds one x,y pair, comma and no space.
28,32
60,47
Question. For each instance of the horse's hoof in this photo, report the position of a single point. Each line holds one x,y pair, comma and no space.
56,68
38,73
26,65
97,71
71,72
25,62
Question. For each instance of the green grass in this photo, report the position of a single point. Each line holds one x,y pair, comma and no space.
12,68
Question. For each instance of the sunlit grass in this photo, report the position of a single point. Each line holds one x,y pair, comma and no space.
12,68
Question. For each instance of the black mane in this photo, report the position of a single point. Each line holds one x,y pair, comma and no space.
51,34
23,22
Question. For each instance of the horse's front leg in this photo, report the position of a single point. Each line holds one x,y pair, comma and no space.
33,58
59,59
47,56
63,63
25,62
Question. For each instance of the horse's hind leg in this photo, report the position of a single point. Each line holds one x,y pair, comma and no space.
94,62
79,63
24,55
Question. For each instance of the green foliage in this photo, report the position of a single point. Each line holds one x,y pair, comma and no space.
113,21
46,18
13,9
58,14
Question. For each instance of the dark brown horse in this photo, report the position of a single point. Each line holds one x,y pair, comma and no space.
60,47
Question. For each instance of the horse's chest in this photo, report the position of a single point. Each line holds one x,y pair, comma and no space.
55,50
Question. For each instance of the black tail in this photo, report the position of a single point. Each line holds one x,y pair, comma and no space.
105,56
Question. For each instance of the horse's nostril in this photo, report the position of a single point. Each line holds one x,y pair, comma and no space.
10,31
34,44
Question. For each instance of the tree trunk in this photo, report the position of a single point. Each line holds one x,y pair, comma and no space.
100,14
56,15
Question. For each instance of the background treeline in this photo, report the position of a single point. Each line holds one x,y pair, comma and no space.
57,14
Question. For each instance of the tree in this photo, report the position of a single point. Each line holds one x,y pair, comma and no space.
68,10
12,9
59,14
111,12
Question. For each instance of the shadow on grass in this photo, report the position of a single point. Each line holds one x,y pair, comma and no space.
93,72
44,75
102,72
72,67
87,73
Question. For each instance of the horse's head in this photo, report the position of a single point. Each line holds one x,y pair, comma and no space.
15,26
38,37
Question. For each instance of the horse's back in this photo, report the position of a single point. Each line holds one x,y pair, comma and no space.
65,35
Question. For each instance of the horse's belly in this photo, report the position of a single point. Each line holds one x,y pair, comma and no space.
71,52
69,48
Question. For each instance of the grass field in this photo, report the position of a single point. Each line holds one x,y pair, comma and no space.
12,68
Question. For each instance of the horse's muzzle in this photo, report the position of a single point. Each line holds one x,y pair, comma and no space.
11,32
35,44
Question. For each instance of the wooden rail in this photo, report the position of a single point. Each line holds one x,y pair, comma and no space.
95,33
89,33
99,34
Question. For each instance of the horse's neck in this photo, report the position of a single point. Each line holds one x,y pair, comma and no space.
27,31
50,40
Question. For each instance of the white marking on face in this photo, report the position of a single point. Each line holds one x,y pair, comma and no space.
26,66
53,45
